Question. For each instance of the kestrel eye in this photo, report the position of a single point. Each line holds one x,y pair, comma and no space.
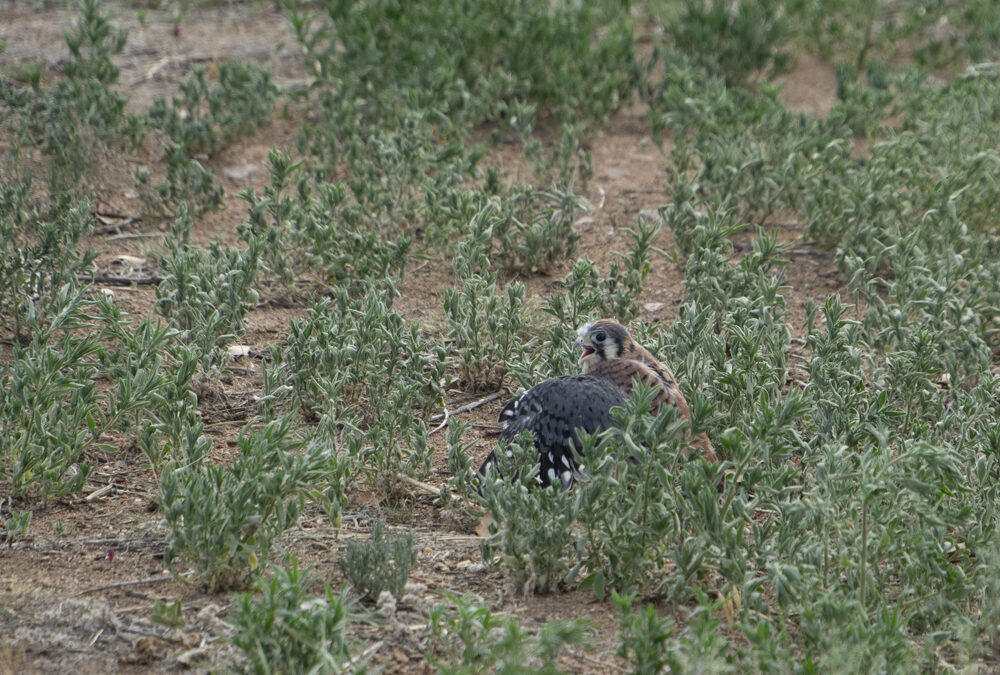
599,337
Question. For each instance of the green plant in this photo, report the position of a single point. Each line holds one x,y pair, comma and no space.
17,524
135,369
734,40
863,109
207,294
83,110
187,183
173,428
623,285
643,636
205,118
223,520
280,627
484,324
358,364
40,247
467,638
546,237
50,414
459,465
380,563
329,491
324,230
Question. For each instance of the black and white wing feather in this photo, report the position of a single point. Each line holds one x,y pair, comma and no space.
554,411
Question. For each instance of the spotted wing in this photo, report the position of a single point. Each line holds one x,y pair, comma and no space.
554,411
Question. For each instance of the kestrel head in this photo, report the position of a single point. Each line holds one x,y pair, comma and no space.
601,340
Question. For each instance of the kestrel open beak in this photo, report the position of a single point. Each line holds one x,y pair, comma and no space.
587,349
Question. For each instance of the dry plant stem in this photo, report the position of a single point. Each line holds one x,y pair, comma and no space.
136,235
136,582
100,492
605,665
120,281
429,489
465,408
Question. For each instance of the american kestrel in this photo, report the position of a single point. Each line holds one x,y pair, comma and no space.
555,409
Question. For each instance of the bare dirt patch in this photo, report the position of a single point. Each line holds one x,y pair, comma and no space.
77,591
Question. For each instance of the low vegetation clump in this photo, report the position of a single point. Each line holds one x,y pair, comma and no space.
851,522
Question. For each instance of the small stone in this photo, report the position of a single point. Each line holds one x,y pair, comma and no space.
131,261
238,351
653,307
241,172
193,657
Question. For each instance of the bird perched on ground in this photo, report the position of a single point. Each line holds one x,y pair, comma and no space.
554,410
606,343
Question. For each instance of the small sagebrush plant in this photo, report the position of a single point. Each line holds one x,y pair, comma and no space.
321,228
380,563
650,642
223,520
202,120
281,627
623,285
187,182
531,234
532,535
484,329
459,464
643,636
70,121
484,324
863,106
356,362
40,248
50,413
172,428
207,294
466,637
204,117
